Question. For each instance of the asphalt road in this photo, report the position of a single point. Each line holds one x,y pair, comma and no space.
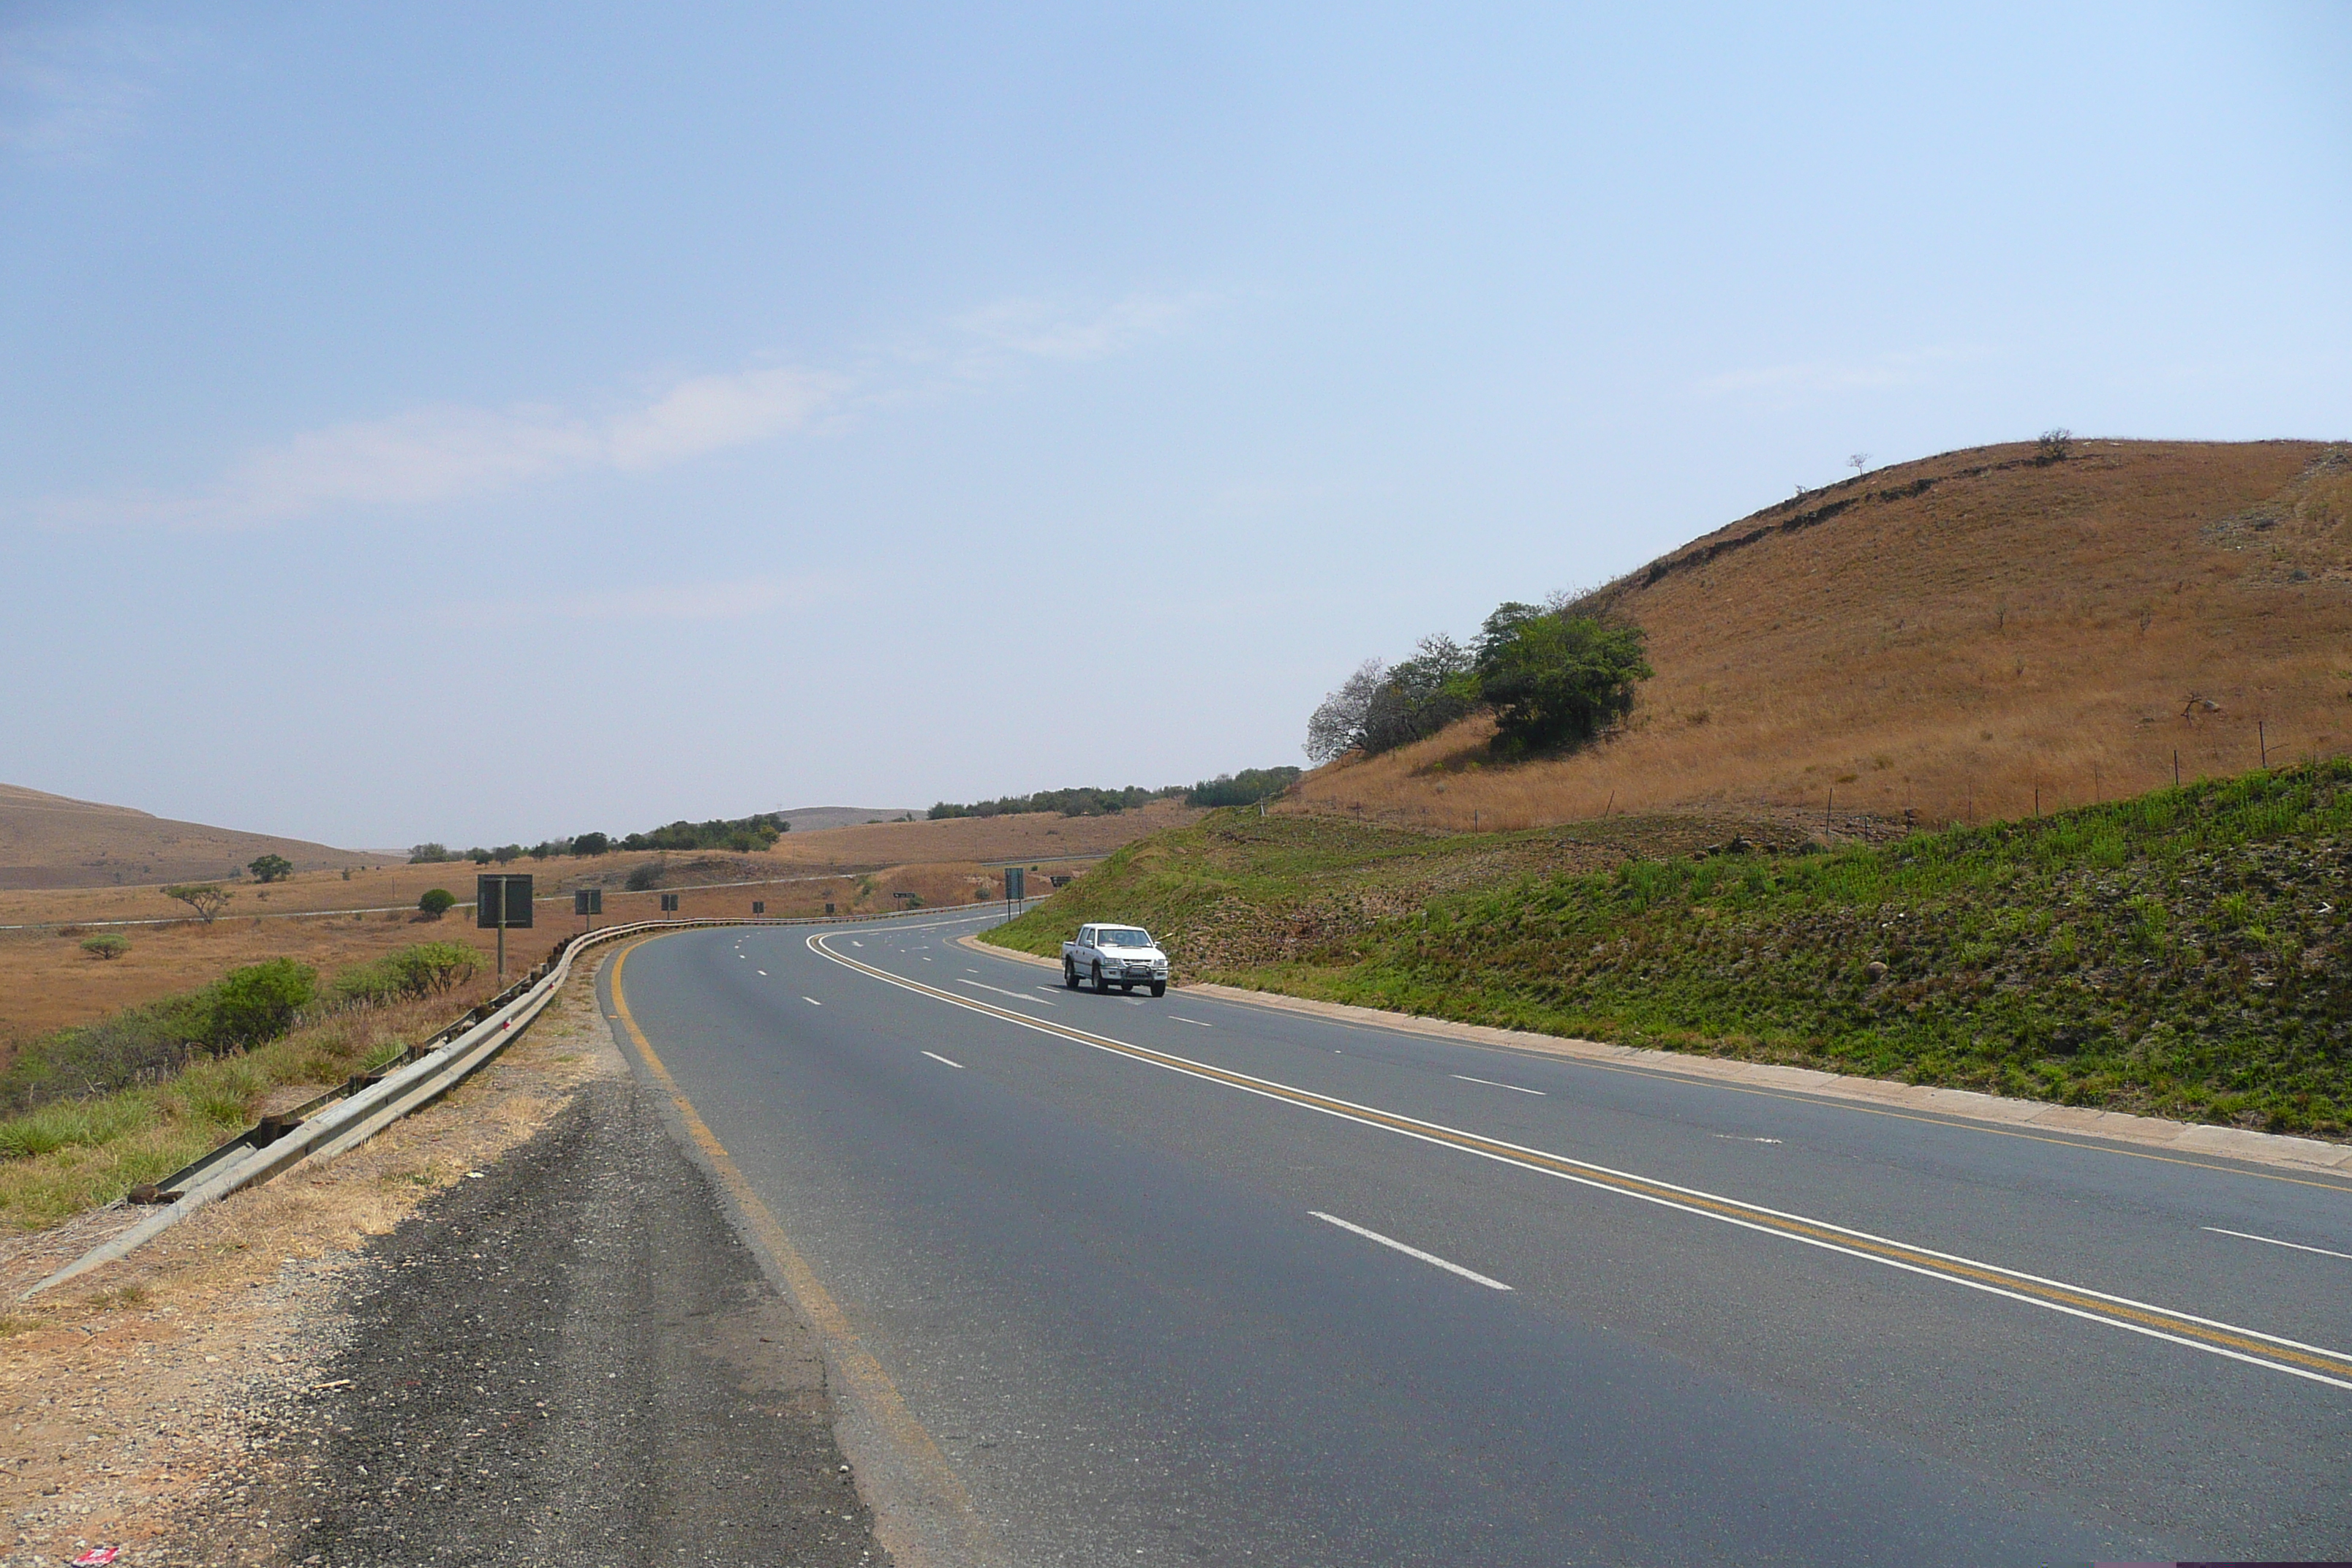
1137,1273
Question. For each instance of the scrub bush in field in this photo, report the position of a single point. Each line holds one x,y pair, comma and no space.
258,1002
427,969
436,903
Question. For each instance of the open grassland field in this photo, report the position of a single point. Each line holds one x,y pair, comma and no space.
1951,636
50,841
1044,839
1030,838
2181,953
47,981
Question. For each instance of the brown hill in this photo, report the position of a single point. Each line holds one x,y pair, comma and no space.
1958,637
50,841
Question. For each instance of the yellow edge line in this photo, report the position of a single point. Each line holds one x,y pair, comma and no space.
870,1383
1960,1120
2071,1300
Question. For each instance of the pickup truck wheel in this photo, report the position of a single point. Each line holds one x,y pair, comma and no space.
1102,986
1160,988
1069,975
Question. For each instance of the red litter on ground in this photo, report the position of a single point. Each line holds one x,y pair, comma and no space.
98,1554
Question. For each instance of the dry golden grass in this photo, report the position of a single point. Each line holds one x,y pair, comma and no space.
48,982
1032,839
327,919
2022,632
51,841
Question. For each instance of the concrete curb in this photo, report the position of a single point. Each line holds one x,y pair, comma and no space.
2183,1138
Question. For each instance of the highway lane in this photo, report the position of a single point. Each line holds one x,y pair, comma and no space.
1156,1315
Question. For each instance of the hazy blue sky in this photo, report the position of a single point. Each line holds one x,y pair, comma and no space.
484,423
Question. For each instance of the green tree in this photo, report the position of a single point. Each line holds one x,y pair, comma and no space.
270,868
592,844
207,899
258,1002
428,855
107,944
1555,680
436,902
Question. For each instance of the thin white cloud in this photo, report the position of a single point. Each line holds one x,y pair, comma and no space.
68,94
1906,369
447,453
723,599
713,412
1038,329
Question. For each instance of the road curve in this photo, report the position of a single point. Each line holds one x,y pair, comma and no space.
1189,1280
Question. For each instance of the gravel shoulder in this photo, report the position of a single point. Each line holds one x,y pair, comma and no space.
518,1327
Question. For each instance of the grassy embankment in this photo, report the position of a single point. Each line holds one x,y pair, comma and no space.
65,1155
2180,953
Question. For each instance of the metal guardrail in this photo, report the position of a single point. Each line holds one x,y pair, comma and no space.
344,1118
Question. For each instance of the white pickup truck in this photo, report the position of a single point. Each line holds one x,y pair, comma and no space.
1124,956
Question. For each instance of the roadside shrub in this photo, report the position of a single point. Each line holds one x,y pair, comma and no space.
107,945
644,877
244,1007
258,1002
427,969
436,902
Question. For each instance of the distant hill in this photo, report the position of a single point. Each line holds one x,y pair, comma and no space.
810,818
1957,636
51,841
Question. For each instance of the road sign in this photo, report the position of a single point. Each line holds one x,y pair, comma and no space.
669,903
1015,883
759,907
502,900
588,901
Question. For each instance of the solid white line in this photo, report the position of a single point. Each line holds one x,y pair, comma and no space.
937,1057
763,973
1490,1083
812,1001
1429,1258
1001,991
1503,1153
1194,1022
2275,1241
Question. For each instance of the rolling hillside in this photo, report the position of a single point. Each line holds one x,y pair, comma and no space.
1958,637
51,841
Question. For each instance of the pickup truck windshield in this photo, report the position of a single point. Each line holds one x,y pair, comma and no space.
1122,936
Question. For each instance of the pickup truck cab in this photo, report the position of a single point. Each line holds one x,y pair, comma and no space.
1109,955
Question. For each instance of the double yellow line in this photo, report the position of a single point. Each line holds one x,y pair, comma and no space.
2292,1356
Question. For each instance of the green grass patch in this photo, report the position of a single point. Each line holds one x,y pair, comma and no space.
2182,954
64,1155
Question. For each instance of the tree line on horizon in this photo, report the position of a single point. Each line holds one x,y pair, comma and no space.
748,834
1226,789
